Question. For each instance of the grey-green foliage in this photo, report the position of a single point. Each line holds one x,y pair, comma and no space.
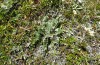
4,7
47,30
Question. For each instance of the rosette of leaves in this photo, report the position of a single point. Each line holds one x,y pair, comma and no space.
46,31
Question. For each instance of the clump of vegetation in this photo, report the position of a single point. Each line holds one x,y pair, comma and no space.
66,32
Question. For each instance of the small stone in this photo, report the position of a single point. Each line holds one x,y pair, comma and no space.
89,49
80,1
74,12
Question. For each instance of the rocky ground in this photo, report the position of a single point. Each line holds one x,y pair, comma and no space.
65,34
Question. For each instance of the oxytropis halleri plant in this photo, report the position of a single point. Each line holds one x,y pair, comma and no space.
46,32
